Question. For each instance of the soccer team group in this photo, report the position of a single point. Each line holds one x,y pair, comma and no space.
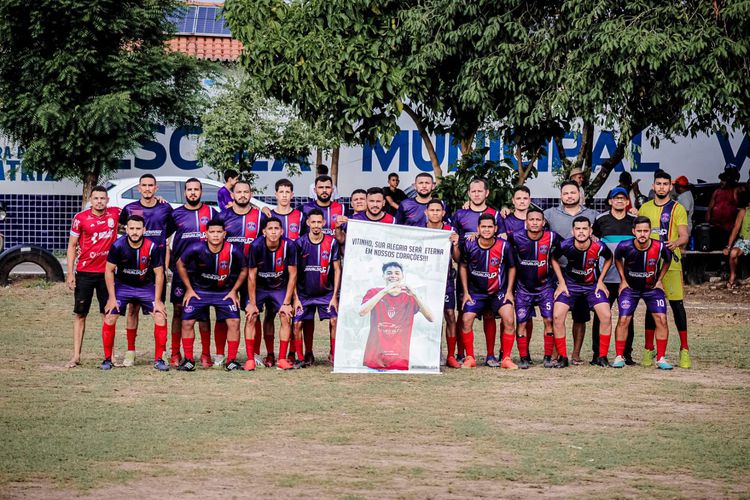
288,263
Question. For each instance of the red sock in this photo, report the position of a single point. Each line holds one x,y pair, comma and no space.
233,347
661,348
308,329
187,346
683,339
108,339
220,336
490,334
507,343
523,346
160,341
451,346
468,338
176,336
205,343
549,343
619,346
649,340
258,335
250,347
131,334
562,347
604,345
283,347
299,349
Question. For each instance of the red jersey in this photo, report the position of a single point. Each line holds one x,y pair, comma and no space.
391,323
95,237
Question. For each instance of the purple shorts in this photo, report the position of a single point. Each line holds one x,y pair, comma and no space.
655,299
526,301
126,294
274,299
177,291
579,293
312,304
450,296
199,309
484,302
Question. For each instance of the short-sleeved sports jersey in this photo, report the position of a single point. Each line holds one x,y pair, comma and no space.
242,229
411,213
224,197
665,220
156,220
135,266
291,223
189,225
273,265
466,220
611,231
391,322
213,272
533,259
512,224
315,265
487,267
330,214
583,266
386,219
642,267
451,269
95,234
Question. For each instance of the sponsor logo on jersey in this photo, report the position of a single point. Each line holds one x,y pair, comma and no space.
484,274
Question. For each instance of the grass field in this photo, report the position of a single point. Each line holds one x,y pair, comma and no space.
583,431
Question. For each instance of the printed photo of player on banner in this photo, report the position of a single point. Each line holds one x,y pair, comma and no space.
392,297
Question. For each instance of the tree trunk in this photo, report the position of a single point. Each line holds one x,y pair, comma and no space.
90,180
561,152
335,165
523,172
427,141
318,157
467,145
609,164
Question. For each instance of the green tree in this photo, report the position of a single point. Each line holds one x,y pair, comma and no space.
83,81
242,125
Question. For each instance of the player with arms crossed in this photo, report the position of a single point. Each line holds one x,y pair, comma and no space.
488,275
319,268
584,280
642,263
135,275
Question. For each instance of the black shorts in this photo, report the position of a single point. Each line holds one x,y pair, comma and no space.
86,284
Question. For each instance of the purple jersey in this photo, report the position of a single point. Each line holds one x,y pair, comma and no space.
156,219
189,226
291,223
583,265
487,267
533,259
272,265
466,220
642,267
213,271
135,266
242,229
512,224
224,198
315,266
330,214
411,213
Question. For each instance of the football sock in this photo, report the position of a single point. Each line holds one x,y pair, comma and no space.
683,339
649,344
232,347
507,340
205,343
529,330
108,339
176,336
468,338
160,341
562,347
680,320
451,346
549,343
308,329
604,345
299,349
131,334
523,346
187,346
269,344
490,333
283,346
619,347
258,335
249,347
220,336
661,348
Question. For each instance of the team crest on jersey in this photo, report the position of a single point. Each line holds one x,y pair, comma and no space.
144,259
279,261
324,255
204,220
590,262
494,261
391,312
293,228
665,216
651,262
223,265
543,248
111,222
251,226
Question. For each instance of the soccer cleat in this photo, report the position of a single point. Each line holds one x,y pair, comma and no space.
129,359
602,361
161,366
469,362
549,362
309,359
186,366
685,361
219,360
452,362
292,357
629,360
297,365
562,362
508,364
269,360
284,364
460,358
107,364
491,361
648,358
594,360
619,362
233,366
250,365
175,359
662,364
258,360
523,363
206,361
529,360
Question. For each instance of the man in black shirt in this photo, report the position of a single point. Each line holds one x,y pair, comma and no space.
393,195
611,228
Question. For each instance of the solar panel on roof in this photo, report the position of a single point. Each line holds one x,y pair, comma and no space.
201,21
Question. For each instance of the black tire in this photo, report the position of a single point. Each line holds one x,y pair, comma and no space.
35,255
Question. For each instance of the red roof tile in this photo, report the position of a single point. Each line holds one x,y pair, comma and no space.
213,48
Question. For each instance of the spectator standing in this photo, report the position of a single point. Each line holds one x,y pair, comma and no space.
393,195
722,209
739,240
685,198
576,175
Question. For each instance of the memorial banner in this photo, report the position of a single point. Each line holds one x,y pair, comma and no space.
392,296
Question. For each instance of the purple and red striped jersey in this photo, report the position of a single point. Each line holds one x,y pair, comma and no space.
272,265
411,213
242,229
291,223
487,267
466,220
330,214
213,272
512,224
583,265
156,220
135,266
188,225
642,267
315,266
387,219
451,269
533,259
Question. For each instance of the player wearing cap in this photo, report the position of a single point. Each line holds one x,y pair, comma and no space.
669,224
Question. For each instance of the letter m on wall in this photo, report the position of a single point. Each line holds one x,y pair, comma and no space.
399,147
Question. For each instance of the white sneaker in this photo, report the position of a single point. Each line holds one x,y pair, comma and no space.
219,360
259,361
129,359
